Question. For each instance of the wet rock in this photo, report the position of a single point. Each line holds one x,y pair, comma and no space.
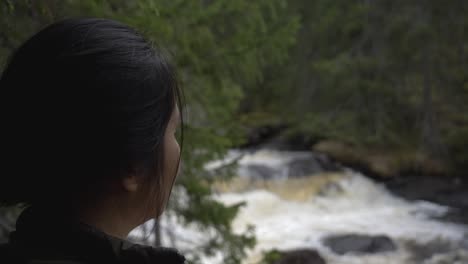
360,244
309,164
300,256
259,172
445,191
456,257
381,163
288,164
303,167
327,163
421,252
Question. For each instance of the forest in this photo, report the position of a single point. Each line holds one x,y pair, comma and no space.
379,85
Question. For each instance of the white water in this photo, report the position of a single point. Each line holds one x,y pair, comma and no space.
361,207
338,204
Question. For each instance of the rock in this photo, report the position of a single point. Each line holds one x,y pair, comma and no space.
382,163
361,244
421,252
458,257
300,256
259,172
292,164
310,164
441,190
303,167
327,163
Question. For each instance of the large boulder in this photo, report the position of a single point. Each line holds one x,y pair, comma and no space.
359,244
382,163
303,167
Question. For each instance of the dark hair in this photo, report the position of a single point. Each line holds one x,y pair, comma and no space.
82,101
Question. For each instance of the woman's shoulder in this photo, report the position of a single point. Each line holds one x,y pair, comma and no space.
129,253
135,253
42,238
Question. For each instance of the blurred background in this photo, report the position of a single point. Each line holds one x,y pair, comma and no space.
317,131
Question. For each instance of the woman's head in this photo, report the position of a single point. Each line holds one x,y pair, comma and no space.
89,107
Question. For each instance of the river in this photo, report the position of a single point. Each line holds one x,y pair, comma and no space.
294,204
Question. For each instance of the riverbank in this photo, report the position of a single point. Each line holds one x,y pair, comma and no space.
337,218
383,163
302,211
408,175
451,192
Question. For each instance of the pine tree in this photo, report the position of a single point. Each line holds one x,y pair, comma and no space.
220,48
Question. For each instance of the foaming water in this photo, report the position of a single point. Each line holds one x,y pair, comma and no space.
354,205
291,213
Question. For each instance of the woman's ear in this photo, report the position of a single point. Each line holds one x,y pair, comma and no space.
131,183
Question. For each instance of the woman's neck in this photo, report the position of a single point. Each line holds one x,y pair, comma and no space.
111,216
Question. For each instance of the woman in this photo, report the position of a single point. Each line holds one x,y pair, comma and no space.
89,115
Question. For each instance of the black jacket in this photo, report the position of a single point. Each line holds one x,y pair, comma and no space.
44,237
